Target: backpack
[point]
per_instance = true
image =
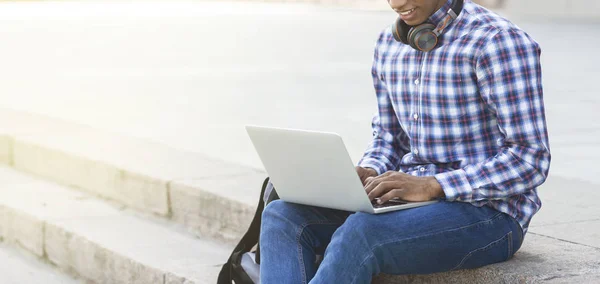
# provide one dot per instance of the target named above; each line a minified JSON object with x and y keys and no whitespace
{"x":243,"y":265}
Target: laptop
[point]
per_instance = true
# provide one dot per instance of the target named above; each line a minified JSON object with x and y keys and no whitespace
{"x":314,"y":168}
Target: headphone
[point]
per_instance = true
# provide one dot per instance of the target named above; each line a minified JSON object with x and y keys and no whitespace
{"x":424,"y":37}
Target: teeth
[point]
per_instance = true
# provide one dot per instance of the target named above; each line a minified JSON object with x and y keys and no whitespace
{"x":407,"y":12}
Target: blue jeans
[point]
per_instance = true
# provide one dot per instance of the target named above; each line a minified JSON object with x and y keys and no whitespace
{"x":356,"y":246}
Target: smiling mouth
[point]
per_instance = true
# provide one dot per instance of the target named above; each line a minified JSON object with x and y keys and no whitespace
{"x":407,"y":12}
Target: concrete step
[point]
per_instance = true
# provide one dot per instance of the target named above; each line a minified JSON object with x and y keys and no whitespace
{"x":100,"y":242}
{"x":541,"y":259}
{"x":107,"y":243}
{"x":189,"y":192}
{"x":18,"y":267}
{"x":209,"y":197}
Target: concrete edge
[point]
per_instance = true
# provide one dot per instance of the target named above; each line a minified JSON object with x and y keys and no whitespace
{"x":208,"y":214}
{"x":77,"y":255}
{"x":6,"y":149}
{"x":200,"y":210}
{"x":21,"y":237}
{"x":102,"y":179}
{"x":73,"y":254}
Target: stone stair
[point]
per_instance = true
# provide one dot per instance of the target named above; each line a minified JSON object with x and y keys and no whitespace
{"x":101,"y":242}
{"x":21,"y":267}
{"x":112,"y":209}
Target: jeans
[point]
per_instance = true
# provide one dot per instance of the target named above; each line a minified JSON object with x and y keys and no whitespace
{"x":357,"y":246}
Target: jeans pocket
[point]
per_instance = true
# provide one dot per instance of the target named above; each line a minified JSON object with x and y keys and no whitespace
{"x":497,"y":251}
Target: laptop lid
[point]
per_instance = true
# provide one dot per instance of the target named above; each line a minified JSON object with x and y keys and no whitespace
{"x":310,"y":167}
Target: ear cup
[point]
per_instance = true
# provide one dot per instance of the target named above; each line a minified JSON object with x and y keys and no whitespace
{"x":422,"y":37}
{"x":400,"y":30}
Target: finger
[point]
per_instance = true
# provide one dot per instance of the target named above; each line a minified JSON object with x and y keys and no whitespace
{"x":371,"y":182}
{"x":381,"y":189}
{"x":388,"y":173}
{"x":391,"y":194}
{"x":366,"y":181}
{"x":376,"y":179}
{"x":362,"y":174}
{"x":374,"y":182}
{"x":386,"y":176}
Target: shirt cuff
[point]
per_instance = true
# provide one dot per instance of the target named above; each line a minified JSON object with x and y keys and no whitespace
{"x":455,"y":185}
{"x":377,"y":165}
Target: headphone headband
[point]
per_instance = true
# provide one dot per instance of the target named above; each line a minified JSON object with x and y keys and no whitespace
{"x":451,"y":15}
{"x":457,"y":6}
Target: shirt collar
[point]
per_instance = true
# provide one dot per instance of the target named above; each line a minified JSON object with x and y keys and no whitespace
{"x":439,"y":15}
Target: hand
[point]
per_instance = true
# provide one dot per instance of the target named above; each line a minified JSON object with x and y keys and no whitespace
{"x":394,"y":184}
{"x":364,"y":173}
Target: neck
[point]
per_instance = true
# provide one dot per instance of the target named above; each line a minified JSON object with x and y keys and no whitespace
{"x":440,"y":5}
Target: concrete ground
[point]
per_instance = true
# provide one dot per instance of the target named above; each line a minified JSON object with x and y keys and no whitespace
{"x":190,"y":75}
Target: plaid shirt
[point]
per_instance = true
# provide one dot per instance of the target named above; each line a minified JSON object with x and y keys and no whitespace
{"x":470,"y":112}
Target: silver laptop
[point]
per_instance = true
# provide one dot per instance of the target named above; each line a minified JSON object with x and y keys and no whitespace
{"x":314,"y":168}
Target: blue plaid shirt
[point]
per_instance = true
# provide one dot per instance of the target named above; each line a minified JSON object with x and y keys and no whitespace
{"x":470,"y":112}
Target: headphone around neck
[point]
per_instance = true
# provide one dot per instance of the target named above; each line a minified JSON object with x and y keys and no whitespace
{"x":424,"y":37}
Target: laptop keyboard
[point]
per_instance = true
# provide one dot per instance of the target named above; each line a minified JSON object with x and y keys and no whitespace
{"x":392,"y":202}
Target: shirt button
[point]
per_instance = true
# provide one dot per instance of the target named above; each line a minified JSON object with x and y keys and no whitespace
{"x":417,"y":82}
{"x":422,"y":169}
{"x":416,"y":151}
{"x":416,"y":116}
{"x":499,"y":142}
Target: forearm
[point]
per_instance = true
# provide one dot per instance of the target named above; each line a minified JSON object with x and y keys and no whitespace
{"x":513,"y":171}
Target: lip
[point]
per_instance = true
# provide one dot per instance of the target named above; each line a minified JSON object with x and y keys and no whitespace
{"x":409,"y":16}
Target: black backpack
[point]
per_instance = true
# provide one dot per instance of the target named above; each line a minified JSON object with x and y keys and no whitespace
{"x":243,"y":263}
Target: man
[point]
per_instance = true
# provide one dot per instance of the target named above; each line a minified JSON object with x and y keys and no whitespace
{"x":463,"y":123}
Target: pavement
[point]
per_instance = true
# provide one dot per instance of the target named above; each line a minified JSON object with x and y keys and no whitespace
{"x":189,"y":75}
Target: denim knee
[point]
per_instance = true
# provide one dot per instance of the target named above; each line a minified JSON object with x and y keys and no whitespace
{"x":275,"y":210}
{"x":352,"y":245}
{"x":274,"y":206}
{"x":354,"y":236}
{"x":359,"y":226}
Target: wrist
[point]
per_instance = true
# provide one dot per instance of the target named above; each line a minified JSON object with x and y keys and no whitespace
{"x":371,"y":171}
{"x":435,"y":188}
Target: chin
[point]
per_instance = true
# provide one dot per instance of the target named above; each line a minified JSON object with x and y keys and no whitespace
{"x":415,"y":23}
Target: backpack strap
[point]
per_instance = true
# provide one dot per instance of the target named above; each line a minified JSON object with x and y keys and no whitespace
{"x":246,"y":243}
{"x":270,"y":195}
